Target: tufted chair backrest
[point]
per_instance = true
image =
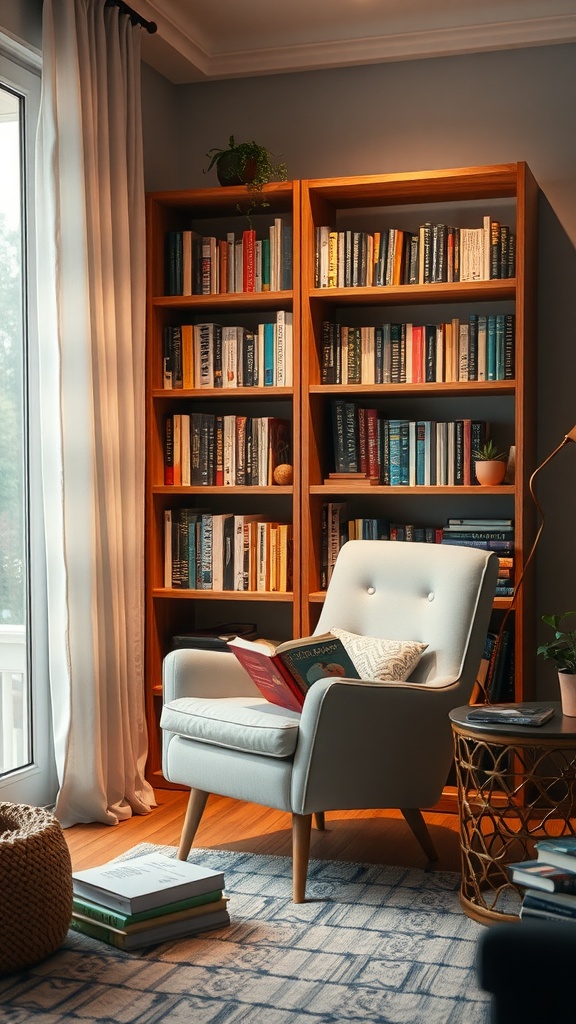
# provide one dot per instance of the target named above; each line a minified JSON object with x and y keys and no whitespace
{"x":412,"y":591}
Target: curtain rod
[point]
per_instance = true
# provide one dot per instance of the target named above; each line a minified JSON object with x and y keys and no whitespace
{"x":135,"y":18}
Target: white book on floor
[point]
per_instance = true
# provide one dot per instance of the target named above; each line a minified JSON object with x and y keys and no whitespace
{"x":142,"y":883}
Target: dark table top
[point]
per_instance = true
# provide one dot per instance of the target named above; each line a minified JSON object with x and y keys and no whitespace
{"x":558,"y":727}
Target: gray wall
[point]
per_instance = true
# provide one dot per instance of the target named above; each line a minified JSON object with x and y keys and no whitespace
{"x":23,"y":19}
{"x":445,"y":112}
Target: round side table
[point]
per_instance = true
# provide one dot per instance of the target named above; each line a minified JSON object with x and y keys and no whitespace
{"x":516,"y":784}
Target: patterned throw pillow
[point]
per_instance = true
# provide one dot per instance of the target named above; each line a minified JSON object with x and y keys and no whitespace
{"x":384,"y":660}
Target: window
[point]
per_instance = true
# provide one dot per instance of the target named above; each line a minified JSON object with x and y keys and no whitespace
{"x":26,"y":764}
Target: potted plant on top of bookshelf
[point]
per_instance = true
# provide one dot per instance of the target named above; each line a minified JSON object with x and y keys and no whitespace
{"x":562,"y":650}
{"x":246,"y":163}
{"x":489,"y":464}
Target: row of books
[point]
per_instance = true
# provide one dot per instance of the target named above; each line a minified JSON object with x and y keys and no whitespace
{"x":339,"y":526}
{"x":402,"y":452}
{"x":146,"y":899}
{"x":433,"y":254}
{"x":549,"y":880}
{"x":209,"y":355}
{"x":479,"y":348}
{"x":208,"y":449}
{"x":208,"y":551}
{"x":495,"y":679}
{"x":199,"y":264}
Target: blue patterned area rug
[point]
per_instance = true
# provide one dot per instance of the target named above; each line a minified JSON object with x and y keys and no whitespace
{"x":385,"y":945}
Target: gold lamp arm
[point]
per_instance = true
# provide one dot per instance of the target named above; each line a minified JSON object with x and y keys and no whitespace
{"x":570,"y":436}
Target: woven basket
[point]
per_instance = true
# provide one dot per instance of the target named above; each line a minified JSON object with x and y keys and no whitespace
{"x":36,"y":885}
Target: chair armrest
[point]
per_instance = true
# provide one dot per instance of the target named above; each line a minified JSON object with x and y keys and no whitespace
{"x":358,"y":738}
{"x":189,"y":672}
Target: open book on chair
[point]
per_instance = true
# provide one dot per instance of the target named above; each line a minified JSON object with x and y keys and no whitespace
{"x":285,"y":672}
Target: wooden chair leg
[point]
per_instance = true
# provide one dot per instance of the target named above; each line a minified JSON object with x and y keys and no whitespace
{"x":414,"y":819}
{"x":301,"y":827}
{"x":319,"y":821}
{"x":194,"y":812}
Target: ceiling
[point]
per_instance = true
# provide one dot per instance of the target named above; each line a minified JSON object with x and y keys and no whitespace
{"x":206,"y":40}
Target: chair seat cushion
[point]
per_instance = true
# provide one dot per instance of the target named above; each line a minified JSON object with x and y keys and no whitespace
{"x":247,"y":724}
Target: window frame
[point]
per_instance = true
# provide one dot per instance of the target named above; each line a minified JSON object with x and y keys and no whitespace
{"x":34,"y":783}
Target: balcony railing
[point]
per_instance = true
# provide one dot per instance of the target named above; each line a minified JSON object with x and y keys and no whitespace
{"x":14,"y":699}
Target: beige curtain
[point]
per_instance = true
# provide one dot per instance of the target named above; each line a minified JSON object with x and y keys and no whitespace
{"x":91,"y":274}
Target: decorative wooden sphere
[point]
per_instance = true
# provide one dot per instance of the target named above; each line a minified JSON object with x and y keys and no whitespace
{"x":283,"y":474}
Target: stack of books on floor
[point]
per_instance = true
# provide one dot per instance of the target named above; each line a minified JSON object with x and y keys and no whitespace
{"x":144,"y":900}
{"x":549,"y":881}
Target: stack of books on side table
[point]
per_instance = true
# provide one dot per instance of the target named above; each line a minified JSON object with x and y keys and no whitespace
{"x":147,"y":899}
{"x":549,"y":881}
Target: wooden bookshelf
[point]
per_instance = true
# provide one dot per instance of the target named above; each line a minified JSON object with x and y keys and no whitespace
{"x":171,"y":610}
{"x":507,"y":193}
{"x":460,"y":196}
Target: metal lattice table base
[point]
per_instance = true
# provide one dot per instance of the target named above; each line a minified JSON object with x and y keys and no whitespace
{"x":512,"y":791}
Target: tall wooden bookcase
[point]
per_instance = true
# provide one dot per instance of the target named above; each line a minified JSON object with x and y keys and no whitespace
{"x":461,"y":197}
{"x":214,"y":212}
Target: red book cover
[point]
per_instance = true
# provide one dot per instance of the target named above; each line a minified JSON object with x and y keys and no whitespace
{"x":372,"y":443}
{"x":272,"y":679}
{"x":219,"y":445}
{"x":362,"y":440}
{"x":417,"y":354}
{"x":169,"y":451}
{"x":249,"y":260}
{"x":284,"y":674}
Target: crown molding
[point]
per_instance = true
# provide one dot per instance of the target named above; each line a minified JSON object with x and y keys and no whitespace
{"x":182,"y":59}
{"x":23,"y":53}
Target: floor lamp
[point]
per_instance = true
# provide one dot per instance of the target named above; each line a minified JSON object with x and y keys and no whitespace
{"x":570,"y":436}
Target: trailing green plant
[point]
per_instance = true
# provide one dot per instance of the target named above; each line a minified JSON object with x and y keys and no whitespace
{"x":247,"y":163}
{"x":488,"y":452}
{"x":562,"y":649}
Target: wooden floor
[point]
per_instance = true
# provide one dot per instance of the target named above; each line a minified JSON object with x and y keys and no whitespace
{"x":374,"y":837}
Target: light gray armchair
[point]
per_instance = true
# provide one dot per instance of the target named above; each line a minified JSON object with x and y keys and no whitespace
{"x":357,"y":743}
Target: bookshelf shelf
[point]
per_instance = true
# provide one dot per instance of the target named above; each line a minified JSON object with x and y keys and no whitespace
{"x":223,"y":595}
{"x":367,"y":489}
{"x":458,"y":388}
{"x":221,"y":394}
{"x":244,"y":301}
{"x":207,"y":491}
{"x":414,"y":294}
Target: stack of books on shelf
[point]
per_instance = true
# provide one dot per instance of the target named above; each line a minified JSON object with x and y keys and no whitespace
{"x":225,"y":551}
{"x":147,"y":899}
{"x":549,"y":882}
{"x":492,"y":535}
{"x":478,"y":348}
{"x":209,"y":355}
{"x":339,"y":526}
{"x":199,"y":264}
{"x":430,"y":254}
{"x":403,"y":452}
{"x":210,"y":449}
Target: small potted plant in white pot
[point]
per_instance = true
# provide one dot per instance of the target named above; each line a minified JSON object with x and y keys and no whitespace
{"x":562,"y":650}
{"x":489,"y":464}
